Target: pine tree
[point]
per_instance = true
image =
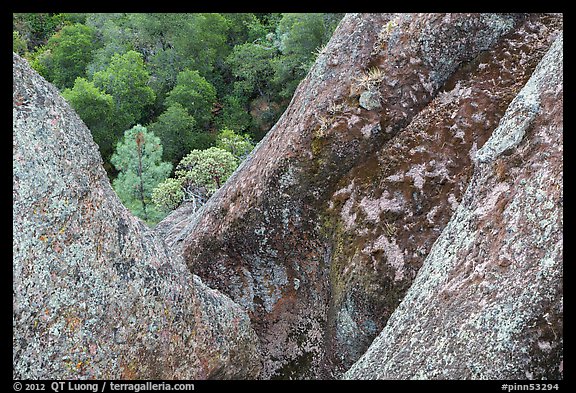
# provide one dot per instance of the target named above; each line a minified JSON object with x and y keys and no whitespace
{"x":138,"y":158}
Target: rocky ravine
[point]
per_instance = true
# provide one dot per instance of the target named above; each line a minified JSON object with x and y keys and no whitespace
{"x":375,"y":207}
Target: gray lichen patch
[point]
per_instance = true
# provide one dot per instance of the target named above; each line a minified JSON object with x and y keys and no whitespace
{"x":468,"y":35}
{"x":370,"y":100}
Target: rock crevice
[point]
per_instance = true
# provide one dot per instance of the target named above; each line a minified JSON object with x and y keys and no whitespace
{"x":489,"y":293}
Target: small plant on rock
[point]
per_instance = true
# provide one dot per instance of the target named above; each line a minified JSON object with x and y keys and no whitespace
{"x":370,"y":79}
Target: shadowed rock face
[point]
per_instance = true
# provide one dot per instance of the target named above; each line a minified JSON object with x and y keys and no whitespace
{"x":96,"y":293}
{"x":487,"y":302}
{"x":321,"y":231}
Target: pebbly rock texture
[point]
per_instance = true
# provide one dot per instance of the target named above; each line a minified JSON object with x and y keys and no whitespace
{"x":96,"y":294}
{"x":321,"y":231}
{"x":488,"y":301}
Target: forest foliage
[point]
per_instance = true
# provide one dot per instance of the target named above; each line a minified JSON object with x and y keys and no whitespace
{"x":193,"y":81}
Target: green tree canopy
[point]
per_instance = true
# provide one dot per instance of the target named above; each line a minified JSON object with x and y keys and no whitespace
{"x":168,"y":195}
{"x":251,"y":64}
{"x":201,"y":42}
{"x":114,"y":37}
{"x":71,"y":51}
{"x":175,"y":128}
{"x":197,"y":177}
{"x":156,"y":31}
{"x":207,"y":168}
{"x":96,"y":109}
{"x":18,"y":43}
{"x":233,"y":71}
{"x":194,"y":93}
{"x":234,"y":114}
{"x":126,"y":80}
{"x":138,"y":158}
{"x":299,"y":37}
{"x":36,"y":28}
{"x":239,"y":145}
{"x":245,"y":27}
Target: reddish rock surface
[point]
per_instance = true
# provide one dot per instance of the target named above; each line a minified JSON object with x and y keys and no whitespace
{"x":389,"y":210}
{"x":488,"y":301}
{"x":96,"y":293}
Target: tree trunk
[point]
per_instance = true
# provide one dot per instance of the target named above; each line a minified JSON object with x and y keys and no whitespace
{"x":139,"y":145}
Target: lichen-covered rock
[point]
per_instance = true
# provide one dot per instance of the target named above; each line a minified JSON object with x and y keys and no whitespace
{"x":96,"y":294}
{"x":316,"y":234}
{"x":388,"y":211}
{"x":488,"y":301}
